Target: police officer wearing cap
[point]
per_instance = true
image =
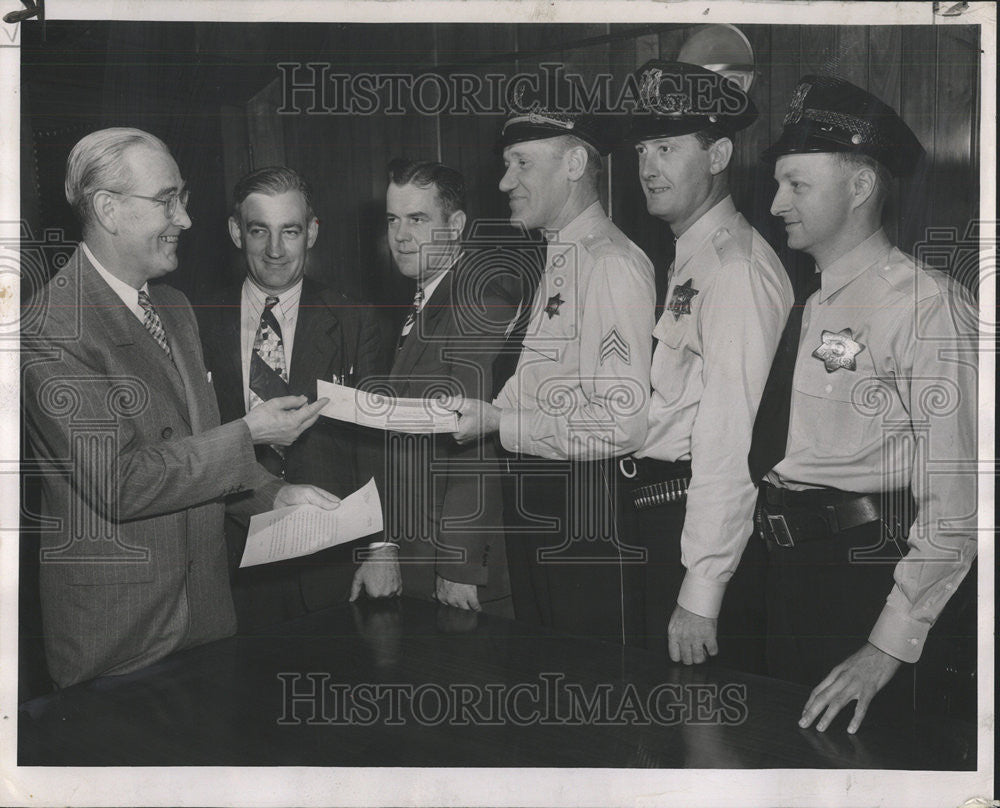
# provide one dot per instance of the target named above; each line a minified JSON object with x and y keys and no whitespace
{"x":727,"y":298}
{"x":579,"y":394}
{"x":872,"y":396}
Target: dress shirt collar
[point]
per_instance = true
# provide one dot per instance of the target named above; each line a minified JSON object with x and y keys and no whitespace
{"x":287,"y":300}
{"x":435,"y":282}
{"x":874,"y":249}
{"x":691,"y":240}
{"x":129,"y":294}
{"x":575,"y":230}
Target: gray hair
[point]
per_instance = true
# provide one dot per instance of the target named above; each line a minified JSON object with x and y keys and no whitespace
{"x":96,"y":163}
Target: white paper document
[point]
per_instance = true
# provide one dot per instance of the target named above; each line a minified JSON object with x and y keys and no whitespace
{"x":299,"y":530}
{"x":416,"y":415}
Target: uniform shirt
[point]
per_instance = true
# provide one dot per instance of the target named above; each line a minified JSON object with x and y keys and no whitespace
{"x":904,"y":415}
{"x":581,"y":388}
{"x":726,"y":305}
{"x":286,"y":312}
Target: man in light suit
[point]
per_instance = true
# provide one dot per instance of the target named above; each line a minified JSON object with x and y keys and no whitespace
{"x":443,"y":502}
{"x":326,"y":335}
{"x":121,"y":415}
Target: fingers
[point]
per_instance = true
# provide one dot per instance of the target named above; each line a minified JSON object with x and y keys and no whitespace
{"x":674,"y":649}
{"x":355,"y":587}
{"x":286,"y":402}
{"x":311,"y":495}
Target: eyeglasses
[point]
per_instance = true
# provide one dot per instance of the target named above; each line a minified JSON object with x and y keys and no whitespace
{"x":169,"y":203}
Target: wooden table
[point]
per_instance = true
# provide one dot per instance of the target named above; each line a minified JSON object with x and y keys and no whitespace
{"x":410,"y":683}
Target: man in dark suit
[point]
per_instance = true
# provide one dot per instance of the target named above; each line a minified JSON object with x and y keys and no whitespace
{"x":323,"y":335}
{"x":443,"y":504}
{"x":122,"y":418}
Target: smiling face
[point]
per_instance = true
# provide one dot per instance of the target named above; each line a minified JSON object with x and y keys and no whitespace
{"x":676,"y":177}
{"x":536,"y":182}
{"x":814,"y":201}
{"x":422,"y":239}
{"x":146,"y":240}
{"x":275,"y":234}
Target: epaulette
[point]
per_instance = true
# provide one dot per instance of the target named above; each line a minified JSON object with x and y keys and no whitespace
{"x":729,"y":245}
{"x":595,"y":243}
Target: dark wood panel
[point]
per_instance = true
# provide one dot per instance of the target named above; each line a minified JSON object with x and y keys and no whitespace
{"x":918,"y":106}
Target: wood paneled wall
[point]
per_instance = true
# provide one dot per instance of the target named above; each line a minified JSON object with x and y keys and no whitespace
{"x":930,"y":74}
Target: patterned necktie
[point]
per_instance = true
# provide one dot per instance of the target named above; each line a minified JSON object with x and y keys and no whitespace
{"x":411,"y":318}
{"x":153,"y":325}
{"x":268,"y":371}
{"x":770,"y":429}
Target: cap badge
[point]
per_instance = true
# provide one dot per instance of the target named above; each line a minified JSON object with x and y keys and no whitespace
{"x":795,"y":106}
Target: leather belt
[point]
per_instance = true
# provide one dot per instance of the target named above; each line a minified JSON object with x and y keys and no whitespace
{"x":786,"y":518}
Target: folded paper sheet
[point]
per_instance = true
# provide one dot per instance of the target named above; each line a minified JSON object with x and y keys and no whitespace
{"x":299,"y":530}
{"x":416,"y":415}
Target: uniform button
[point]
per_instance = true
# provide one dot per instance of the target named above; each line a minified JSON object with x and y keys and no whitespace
{"x":829,"y":388}
{"x":913,"y":640}
{"x":167,"y":432}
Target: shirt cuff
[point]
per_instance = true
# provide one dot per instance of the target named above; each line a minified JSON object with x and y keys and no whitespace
{"x":375,"y":545}
{"x":701,"y":596}
{"x":898,"y":635}
{"x":509,"y":437}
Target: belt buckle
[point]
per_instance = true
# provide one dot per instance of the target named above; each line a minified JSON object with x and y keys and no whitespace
{"x":779,"y":530}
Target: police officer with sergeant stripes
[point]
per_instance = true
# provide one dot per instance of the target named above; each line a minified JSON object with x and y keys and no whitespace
{"x":578,"y":397}
{"x":727,"y":299}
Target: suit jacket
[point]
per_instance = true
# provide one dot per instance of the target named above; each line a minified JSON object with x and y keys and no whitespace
{"x":335,"y":338}
{"x":134,"y":466}
{"x":444,"y":504}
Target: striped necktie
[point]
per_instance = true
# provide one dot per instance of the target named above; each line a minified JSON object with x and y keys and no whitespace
{"x":268,"y":370}
{"x":411,"y":318}
{"x":153,"y":325}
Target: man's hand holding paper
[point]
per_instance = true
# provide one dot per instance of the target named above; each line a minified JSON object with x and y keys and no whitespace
{"x":307,"y":519}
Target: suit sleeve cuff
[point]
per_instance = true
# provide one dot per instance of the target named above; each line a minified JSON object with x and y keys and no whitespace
{"x":701,"y":596}
{"x":898,"y":635}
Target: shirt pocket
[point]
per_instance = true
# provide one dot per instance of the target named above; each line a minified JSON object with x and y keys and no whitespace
{"x":834,"y":412}
{"x":674,"y":332}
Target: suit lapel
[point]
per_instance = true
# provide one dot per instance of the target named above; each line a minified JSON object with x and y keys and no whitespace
{"x":434,"y":316}
{"x":185,"y":352}
{"x":317,"y":348}
{"x":123,"y":330}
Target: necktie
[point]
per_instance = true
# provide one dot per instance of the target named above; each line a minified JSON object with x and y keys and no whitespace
{"x":411,"y":318}
{"x":153,"y":325}
{"x":770,"y":429}
{"x":268,"y":372}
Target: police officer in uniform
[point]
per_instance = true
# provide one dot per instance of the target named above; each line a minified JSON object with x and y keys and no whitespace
{"x":691,"y":499}
{"x":872,"y":396}
{"x":578,"y":397}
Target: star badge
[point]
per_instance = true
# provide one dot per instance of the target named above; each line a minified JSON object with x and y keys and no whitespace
{"x":552,"y":307}
{"x":680,"y":302}
{"x":838,"y":350}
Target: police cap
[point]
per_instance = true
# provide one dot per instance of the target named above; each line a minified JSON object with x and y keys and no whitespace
{"x":677,"y":98}
{"x":829,"y":114}
{"x":540,"y":124}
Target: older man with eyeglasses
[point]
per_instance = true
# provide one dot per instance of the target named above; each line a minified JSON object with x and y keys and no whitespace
{"x":136,"y":468}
